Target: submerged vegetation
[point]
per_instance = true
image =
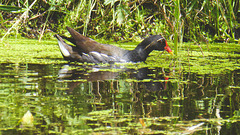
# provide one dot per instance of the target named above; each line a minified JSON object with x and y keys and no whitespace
{"x":179,"y":20}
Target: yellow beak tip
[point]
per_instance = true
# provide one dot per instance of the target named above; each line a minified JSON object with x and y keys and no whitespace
{"x":171,"y":53}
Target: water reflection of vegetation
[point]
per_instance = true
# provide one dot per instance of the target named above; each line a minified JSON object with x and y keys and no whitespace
{"x":119,"y":106}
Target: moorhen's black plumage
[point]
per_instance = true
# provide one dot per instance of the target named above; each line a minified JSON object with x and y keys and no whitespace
{"x":88,"y":50}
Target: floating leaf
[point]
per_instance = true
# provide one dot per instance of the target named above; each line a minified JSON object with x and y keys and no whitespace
{"x":27,"y":119}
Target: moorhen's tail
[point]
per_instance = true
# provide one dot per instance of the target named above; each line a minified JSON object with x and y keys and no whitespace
{"x":72,"y":53}
{"x":69,"y":52}
{"x":64,"y":47}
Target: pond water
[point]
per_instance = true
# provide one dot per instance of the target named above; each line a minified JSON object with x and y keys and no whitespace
{"x":43,"y":94}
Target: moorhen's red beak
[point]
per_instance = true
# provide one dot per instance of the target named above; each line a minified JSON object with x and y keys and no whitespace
{"x":168,"y":49}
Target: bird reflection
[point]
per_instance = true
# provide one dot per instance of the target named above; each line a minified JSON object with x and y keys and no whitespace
{"x":147,"y":79}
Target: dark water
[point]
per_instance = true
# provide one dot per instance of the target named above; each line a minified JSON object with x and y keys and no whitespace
{"x":85,"y":99}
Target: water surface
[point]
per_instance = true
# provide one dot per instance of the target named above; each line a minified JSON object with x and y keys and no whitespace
{"x":197,"y":93}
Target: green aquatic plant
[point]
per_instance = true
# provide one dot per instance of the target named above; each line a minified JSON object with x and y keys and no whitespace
{"x":177,"y":25}
{"x":30,"y":51}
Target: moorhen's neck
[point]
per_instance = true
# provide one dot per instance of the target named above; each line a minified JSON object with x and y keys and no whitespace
{"x":140,"y":53}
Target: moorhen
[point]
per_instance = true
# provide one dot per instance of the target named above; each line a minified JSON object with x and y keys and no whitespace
{"x":87,"y":50}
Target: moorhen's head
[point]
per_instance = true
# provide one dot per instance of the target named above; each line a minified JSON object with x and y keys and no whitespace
{"x":156,"y":42}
